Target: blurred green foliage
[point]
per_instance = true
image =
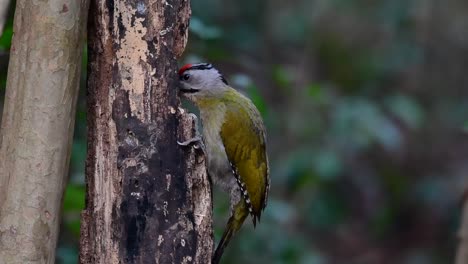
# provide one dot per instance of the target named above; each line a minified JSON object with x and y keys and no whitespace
{"x":5,"y":39}
{"x":366,"y":105}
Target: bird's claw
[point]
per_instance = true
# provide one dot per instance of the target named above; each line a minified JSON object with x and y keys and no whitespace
{"x":197,"y":142}
{"x":190,"y":141}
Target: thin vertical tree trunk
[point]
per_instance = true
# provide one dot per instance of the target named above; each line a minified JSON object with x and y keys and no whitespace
{"x":148,"y":199}
{"x":462,"y":253}
{"x":37,"y":126}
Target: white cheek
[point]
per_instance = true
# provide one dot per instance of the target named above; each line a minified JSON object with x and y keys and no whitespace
{"x":185,"y":85}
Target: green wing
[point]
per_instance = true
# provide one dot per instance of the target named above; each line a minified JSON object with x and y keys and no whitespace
{"x":243,"y":136}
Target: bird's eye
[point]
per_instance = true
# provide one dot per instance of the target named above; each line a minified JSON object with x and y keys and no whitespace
{"x":186,"y":76}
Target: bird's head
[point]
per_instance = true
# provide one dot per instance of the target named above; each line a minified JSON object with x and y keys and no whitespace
{"x":201,"y":80}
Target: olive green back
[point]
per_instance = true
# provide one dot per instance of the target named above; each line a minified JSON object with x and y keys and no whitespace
{"x":243,"y":135}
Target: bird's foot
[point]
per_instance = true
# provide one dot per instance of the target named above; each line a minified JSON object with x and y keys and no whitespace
{"x":196,"y":141}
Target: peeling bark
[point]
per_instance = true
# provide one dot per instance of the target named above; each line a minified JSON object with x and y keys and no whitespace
{"x":148,"y":199}
{"x":37,"y":126}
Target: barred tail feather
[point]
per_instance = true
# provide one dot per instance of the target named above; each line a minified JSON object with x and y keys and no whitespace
{"x":234,"y":224}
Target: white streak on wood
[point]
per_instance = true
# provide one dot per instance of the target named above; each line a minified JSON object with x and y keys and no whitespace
{"x":132,"y":56}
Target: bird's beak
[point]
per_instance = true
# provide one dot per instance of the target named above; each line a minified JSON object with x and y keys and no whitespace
{"x":183,"y":90}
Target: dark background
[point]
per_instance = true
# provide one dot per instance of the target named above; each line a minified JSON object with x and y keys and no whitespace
{"x":366,"y":105}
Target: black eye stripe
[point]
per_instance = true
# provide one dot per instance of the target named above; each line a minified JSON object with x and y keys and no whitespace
{"x":202,"y":66}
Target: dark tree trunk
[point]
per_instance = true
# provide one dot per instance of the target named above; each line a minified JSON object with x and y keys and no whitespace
{"x":148,"y":199}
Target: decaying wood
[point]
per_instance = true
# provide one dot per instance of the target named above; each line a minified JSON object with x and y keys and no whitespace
{"x":148,"y":199}
{"x":37,"y":126}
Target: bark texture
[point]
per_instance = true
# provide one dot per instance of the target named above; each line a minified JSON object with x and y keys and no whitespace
{"x":37,"y":126}
{"x":462,"y":253}
{"x":148,"y":199}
